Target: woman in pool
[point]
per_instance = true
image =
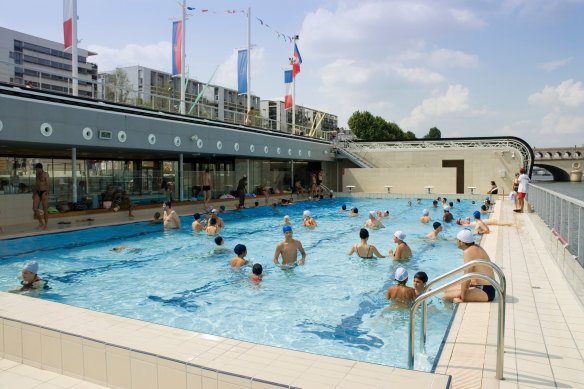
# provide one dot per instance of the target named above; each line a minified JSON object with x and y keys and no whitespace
{"x":363,"y":249}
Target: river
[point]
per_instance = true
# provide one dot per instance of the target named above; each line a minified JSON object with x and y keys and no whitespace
{"x":571,"y":189}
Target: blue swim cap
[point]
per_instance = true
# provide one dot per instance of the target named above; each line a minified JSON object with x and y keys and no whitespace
{"x":344,"y":207}
{"x":222,"y":207}
{"x":285,"y":229}
{"x":476,"y":214}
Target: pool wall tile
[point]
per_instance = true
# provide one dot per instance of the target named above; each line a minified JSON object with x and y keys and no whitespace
{"x":118,"y":367}
{"x":1,"y":337}
{"x":234,"y":379}
{"x":31,"y":346}
{"x":72,"y":356}
{"x":51,"y":351}
{"x":144,"y":374}
{"x":171,"y":374}
{"x":209,"y":383}
{"x":13,"y":341}
{"x":94,"y":362}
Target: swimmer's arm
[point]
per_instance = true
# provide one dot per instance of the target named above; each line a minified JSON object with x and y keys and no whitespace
{"x":391,"y":253}
{"x":377,"y":253}
{"x":387,"y":296}
{"x":301,"y":249}
{"x":277,"y":254}
{"x":381,"y":225}
{"x":313,"y":222}
{"x":352,"y":250}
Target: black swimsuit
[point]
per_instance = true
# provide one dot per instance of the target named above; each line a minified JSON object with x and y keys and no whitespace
{"x":488,"y":289}
{"x":368,"y":253}
{"x":40,"y":193}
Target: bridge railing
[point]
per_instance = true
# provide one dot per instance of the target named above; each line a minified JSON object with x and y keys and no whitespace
{"x":44,"y":80}
{"x":563,"y":215}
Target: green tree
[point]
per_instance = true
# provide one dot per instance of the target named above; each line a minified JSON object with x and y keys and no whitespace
{"x":117,"y":86}
{"x":368,"y":127}
{"x":433,"y":133}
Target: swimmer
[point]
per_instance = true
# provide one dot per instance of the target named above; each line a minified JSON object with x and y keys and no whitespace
{"x":420,"y":280}
{"x":118,"y":249}
{"x":219,"y":246}
{"x":458,"y":200}
{"x":198,"y":225}
{"x":402,"y":251}
{"x":291,"y":201}
{"x":354,"y":212}
{"x":447,"y":215}
{"x":451,"y":205}
{"x":256,"y":273}
{"x":372,"y":222}
{"x":222,"y":209}
{"x":419,"y":201}
{"x":30,"y":279}
{"x":239,"y":261}
{"x":286,"y":221}
{"x":485,"y":210}
{"x":157,"y":219}
{"x":437,"y":228}
{"x":363,"y":249}
{"x":308,"y":220}
{"x":434,"y":204}
{"x":256,"y":204}
{"x":212,"y":228}
{"x":463,"y":222}
{"x":343,"y":207}
{"x":386,"y":214}
{"x":289,"y":248}
{"x":170,"y":218}
{"x":480,"y":226}
{"x":400,"y":294}
{"x":274,"y":205}
{"x":220,"y":222}
{"x":409,"y":203}
{"x":425,"y":218}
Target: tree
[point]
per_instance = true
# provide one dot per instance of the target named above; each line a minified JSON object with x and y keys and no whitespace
{"x":368,"y":127}
{"x":433,"y":133}
{"x":117,"y":86}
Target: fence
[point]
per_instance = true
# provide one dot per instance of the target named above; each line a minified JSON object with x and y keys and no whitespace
{"x":563,"y":214}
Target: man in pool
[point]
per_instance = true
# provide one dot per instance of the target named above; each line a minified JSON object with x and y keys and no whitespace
{"x":447,"y":218}
{"x":354,"y":212}
{"x":437,"y":229}
{"x":171,"y":219}
{"x":288,"y":249}
{"x":480,"y":226}
{"x":198,"y":225}
{"x":308,"y":219}
{"x":40,"y":196}
{"x":435,"y":204}
{"x":220,"y":246}
{"x":400,"y":294}
{"x":157,"y":219}
{"x":425,"y":218}
{"x":239,"y":261}
{"x":343,"y":207}
{"x":402,"y":251}
{"x":474,"y":290}
{"x":372,"y":222}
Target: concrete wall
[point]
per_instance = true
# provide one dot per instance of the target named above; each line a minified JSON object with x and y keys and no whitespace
{"x":411,"y":169}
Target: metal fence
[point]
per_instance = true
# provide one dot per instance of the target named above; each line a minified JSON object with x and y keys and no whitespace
{"x":562,"y":213}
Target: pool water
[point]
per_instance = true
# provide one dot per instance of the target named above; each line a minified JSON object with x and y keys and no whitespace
{"x":333,"y":305}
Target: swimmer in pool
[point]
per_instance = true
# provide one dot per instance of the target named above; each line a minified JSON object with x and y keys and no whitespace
{"x":220,"y":222}
{"x":118,"y":249}
{"x":419,"y":201}
{"x":286,"y":221}
{"x":437,"y":229}
{"x":402,"y":251}
{"x":288,"y":249}
{"x":308,"y":220}
{"x":447,"y":215}
{"x":343,"y":207}
{"x":409,"y":203}
{"x":363,"y":249}
{"x":157,"y":219}
{"x":372,"y":222}
{"x":171,"y":219}
{"x":425,"y":218}
{"x":239,"y":261}
{"x":256,"y":273}
{"x":434,"y":204}
{"x":354,"y":212}
{"x":198,"y":225}
{"x":213,"y":228}
{"x":30,"y":279}
{"x":400,"y":294}
{"x":420,"y":280}
{"x":480,"y":226}
{"x":220,"y":246}
{"x":386,"y":214}
{"x":222,"y":209}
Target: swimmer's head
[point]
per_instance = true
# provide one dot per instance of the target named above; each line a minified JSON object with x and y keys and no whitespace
{"x":465,"y":236}
{"x":400,"y":235}
{"x":386,"y":213}
{"x":309,"y":198}
{"x":286,"y":217}
{"x":240,"y":249}
{"x":38,"y":166}
{"x":222,"y":207}
{"x":363,"y":234}
{"x":218,"y":240}
{"x":436,"y":225}
{"x":156,"y":215}
{"x":446,"y":208}
{"x":257,"y":269}
{"x":378,"y":213}
{"x":197,"y":216}
{"x":215,"y":211}
{"x":256,"y":203}
{"x":483,"y":207}
{"x":355,"y":210}
{"x":168,"y":204}
{"x":306,"y":213}
{"x":435,"y":202}
{"x":213,"y":221}
{"x":425,"y":212}
{"x":451,"y":204}
{"x":401,"y":274}
{"x":372,"y":214}
{"x":286,"y":229}
{"x":31,"y":266}
{"x":476,"y":214}
{"x":472,"y":202}
{"x":422,"y":276}
{"x":344,"y":207}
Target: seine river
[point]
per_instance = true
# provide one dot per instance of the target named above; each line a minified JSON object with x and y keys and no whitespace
{"x":571,"y":189}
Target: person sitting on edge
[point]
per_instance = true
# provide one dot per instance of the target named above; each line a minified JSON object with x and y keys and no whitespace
{"x":256,"y":273}
{"x":354,"y":212}
{"x":485,"y":210}
{"x":437,"y":229}
{"x":220,"y":222}
{"x":127,"y":204}
{"x":400,"y":294}
{"x":289,"y":248}
{"x":30,"y":279}
{"x":447,"y":215}
{"x":402,"y":251}
{"x":239,"y":261}
{"x":494,"y":188}
{"x":474,"y":290}
{"x":171,"y":219}
{"x":372,"y":222}
{"x":343,"y":207}
{"x":425,"y":218}
{"x":420,"y":280}
{"x":480,"y":226}
{"x":308,"y":220}
{"x":363,"y":249}
{"x":286,"y":221}
{"x":157,"y":219}
{"x":198,"y":225}
{"x":212,"y":228}
{"x":435,"y":204}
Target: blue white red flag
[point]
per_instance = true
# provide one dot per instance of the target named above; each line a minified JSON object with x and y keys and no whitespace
{"x":296,"y":61}
{"x":288,"y":81}
{"x":176,"y":48}
{"x":68,"y":23}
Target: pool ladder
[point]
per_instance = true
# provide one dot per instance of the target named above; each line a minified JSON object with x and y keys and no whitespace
{"x":500,"y":286}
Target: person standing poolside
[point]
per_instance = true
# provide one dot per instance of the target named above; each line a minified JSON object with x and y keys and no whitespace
{"x":425,"y":218}
{"x":197,"y":224}
{"x":513,"y":194}
{"x":400,"y":294}
{"x":522,"y":190}
{"x":319,"y":181}
{"x":474,"y":290}
{"x":420,"y":280}
{"x":372,"y":222}
{"x":40,"y":195}
{"x":437,"y":228}
{"x":206,"y":184}
{"x":402,"y":251}
{"x":363,"y":249}
{"x":241,"y":191}
{"x":308,"y":220}
{"x":170,"y":218}
{"x":480,"y":226}
{"x":249,"y":116}
{"x":288,"y":249}
{"x":239,"y":261}
{"x":266,"y":189}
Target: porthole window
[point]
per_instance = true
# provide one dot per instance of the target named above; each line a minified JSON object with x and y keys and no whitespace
{"x":236,"y":146}
{"x":87,"y":133}
{"x":1,"y":125}
{"x":289,"y":151}
{"x":279,"y":150}
{"x":200,"y":143}
{"x":252,"y":148}
{"x":266,"y":149}
{"x":46,"y":129}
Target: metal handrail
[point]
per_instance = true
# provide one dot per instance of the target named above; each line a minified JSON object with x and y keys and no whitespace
{"x":497,"y":269}
{"x":500,"y":327}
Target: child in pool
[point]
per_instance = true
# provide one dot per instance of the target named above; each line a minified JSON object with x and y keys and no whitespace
{"x":256,"y":273}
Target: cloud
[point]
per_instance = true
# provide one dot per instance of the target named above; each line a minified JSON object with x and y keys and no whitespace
{"x":553,"y":65}
{"x":568,"y":93}
{"x":417,"y":75}
{"x":455,"y":100}
{"x":156,"y":56}
{"x":444,"y":58}
{"x":558,"y":123}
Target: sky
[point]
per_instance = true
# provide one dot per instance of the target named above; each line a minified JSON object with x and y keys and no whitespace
{"x":470,"y":68}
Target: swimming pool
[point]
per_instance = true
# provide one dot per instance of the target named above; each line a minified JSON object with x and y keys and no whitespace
{"x":334,"y":305}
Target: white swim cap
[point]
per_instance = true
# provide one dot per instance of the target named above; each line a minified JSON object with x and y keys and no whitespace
{"x":31,"y":266}
{"x":214,"y":210}
{"x":425,"y":212}
{"x":286,"y":217}
{"x":306,"y":213}
{"x":372,"y":213}
{"x":309,"y":198}
{"x":446,"y":208}
{"x":401,"y":274}
{"x":400,"y":235}
{"x":465,"y":236}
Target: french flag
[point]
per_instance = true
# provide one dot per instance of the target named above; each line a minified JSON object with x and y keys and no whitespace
{"x":288,"y":81}
{"x":176,"y":48}
{"x":68,"y":23}
{"x":296,"y":61}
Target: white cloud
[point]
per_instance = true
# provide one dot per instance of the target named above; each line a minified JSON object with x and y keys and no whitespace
{"x":558,"y":123}
{"x":568,"y":93}
{"x":455,"y":100}
{"x":444,"y":58}
{"x":467,"y":18}
{"x":418,"y":75}
{"x":156,"y":56}
{"x":553,"y":65}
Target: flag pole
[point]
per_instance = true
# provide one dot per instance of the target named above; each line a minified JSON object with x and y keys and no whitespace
{"x":74,"y":55}
{"x":293,"y":89}
{"x":248,"y":58}
{"x":182,"y":59}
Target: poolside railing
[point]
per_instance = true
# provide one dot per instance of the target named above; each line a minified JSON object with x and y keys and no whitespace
{"x":562,"y":214}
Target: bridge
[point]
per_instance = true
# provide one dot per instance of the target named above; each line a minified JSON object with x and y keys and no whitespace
{"x":564,"y":163}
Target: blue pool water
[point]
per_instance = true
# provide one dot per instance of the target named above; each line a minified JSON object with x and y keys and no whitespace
{"x":334,"y":305}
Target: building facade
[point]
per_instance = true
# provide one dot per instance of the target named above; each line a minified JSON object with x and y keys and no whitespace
{"x":43,"y":64}
{"x":307,"y":119}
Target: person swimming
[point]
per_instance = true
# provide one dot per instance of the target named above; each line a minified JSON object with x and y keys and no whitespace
{"x":363,"y":249}
{"x":308,"y":220}
{"x":239,"y":261}
{"x":286,"y":221}
{"x":30,"y":279}
{"x":257,"y":273}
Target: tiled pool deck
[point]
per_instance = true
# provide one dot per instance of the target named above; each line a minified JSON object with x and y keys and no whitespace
{"x":50,"y":345}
